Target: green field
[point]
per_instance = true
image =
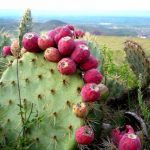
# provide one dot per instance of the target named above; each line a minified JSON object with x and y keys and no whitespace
{"x":117,"y":42}
{"x":116,"y":45}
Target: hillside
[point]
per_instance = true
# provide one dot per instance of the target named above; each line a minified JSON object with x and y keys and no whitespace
{"x":38,"y":27}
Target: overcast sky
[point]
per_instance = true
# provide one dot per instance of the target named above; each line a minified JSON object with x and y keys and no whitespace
{"x":78,"y":6}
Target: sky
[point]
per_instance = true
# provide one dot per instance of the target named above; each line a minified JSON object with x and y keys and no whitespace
{"x":79,"y":6}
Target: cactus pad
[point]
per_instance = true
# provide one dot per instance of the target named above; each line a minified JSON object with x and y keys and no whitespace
{"x":52,"y":124}
{"x":139,"y":62}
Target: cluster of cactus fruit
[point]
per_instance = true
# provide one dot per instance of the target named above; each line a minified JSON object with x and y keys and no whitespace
{"x":64,"y":80}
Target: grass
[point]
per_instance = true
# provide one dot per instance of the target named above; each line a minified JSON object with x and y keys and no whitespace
{"x":116,"y":42}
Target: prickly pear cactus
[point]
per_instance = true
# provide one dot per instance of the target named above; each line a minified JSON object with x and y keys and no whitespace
{"x":47,"y":98}
{"x":139,"y":62}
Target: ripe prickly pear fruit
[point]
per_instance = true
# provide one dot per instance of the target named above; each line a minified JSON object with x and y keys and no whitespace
{"x":51,"y":34}
{"x":79,"y":33}
{"x":90,"y":63}
{"x":57,"y":38}
{"x":80,"y":54}
{"x":130,"y":141}
{"x":52,"y":54}
{"x":84,"y":135}
{"x":92,"y":76}
{"x":117,"y":134}
{"x":71,"y":27}
{"x":6,"y":51}
{"x":80,"y":109}
{"x":66,"y":46}
{"x":30,"y":42}
{"x":66,"y":66}
{"x":62,"y":32}
{"x":90,"y":92}
{"x":57,"y":29}
{"x":45,"y":42}
{"x":79,"y":41}
{"x":65,"y":31}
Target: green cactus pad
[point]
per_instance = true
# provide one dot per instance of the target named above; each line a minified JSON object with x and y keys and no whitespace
{"x":139,"y":62}
{"x":47,"y":97}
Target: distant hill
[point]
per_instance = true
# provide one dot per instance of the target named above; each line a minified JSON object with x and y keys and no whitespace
{"x":38,"y":27}
{"x":11,"y":25}
{"x":96,"y":25}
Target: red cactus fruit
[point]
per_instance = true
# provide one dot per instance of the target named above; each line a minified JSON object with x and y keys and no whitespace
{"x":79,"y":41}
{"x":51,"y":34}
{"x":52,"y":54}
{"x":62,"y":32}
{"x":71,"y":27}
{"x":90,"y":92}
{"x":57,"y":38}
{"x":79,"y":33}
{"x":90,"y":63}
{"x":116,"y":136}
{"x":117,"y":133}
{"x":92,"y":76}
{"x":66,"y":46}
{"x":57,"y":29}
{"x":80,"y":54}
{"x":80,"y":109}
{"x":65,"y":31}
{"x":129,"y":129}
{"x":45,"y":42}
{"x":6,"y":51}
{"x":84,"y":135}
{"x":30,"y":42}
{"x":66,"y":66}
{"x":130,"y":141}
